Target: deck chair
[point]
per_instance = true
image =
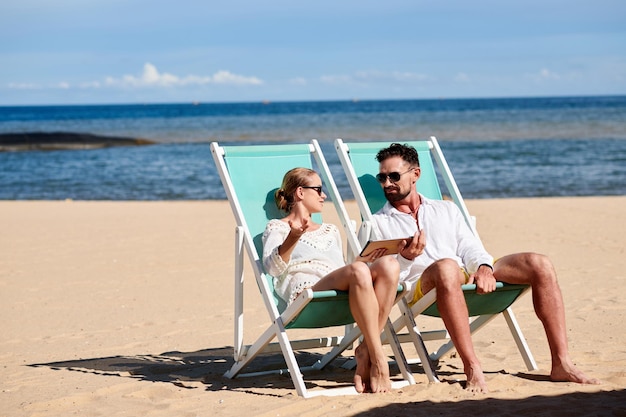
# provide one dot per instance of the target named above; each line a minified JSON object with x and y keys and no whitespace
{"x":250,"y":175}
{"x":359,"y":163}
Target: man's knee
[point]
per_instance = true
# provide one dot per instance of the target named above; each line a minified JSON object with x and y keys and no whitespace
{"x":444,"y":272}
{"x":444,"y":266}
{"x":537,"y":263}
{"x":525,"y":268}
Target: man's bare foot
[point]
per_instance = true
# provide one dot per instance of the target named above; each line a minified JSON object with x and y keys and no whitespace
{"x":362,"y":374}
{"x":569,"y":373}
{"x":379,"y":375}
{"x":476,"y":380}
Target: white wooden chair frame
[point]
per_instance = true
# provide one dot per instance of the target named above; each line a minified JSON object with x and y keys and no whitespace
{"x":244,"y":354}
{"x":408,"y":314}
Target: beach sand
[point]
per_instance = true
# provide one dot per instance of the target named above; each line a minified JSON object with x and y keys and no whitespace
{"x":126,"y":309}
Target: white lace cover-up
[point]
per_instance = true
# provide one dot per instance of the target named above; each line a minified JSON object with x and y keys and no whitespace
{"x":316,"y":254}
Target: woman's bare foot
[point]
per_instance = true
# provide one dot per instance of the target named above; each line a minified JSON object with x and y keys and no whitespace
{"x":379,"y":375}
{"x":475,"y":380}
{"x":362,"y":374}
{"x":569,"y":373}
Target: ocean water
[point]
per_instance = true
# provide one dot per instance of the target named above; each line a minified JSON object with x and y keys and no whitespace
{"x":496,"y":148}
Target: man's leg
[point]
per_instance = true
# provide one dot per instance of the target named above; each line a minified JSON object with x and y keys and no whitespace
{"x":537,"y":271}
{"x":446,"y":276}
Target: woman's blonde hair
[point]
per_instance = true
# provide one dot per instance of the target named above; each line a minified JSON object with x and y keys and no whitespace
{"x":294,"y":178}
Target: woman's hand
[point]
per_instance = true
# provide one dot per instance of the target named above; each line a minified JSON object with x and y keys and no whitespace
{"x":298,"y":229}
{"x":372,"y":256}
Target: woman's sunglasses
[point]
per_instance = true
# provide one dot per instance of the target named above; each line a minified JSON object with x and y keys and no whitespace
{"x":393,"y":176}
{"x":317,"y":188}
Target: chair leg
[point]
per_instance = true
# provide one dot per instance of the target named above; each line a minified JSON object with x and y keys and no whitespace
{"x":239,"y":279}
{"x":290,"y":358}
{"x":398,"y":353}
{"x":418,"y":342}
{"x":346,"y":342}
{"x":247,"y":355}
{"x":524,"y":350}
{"x":475,"y":325}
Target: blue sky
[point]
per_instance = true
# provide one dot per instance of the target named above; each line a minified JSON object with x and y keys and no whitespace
{"x":140,"y":51}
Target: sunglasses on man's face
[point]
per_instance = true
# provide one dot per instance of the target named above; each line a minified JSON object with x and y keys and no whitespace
{"x":393,"y":176}
{"x":317,"y":188}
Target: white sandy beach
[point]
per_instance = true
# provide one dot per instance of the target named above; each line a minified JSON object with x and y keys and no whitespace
{"x":126,"y":309}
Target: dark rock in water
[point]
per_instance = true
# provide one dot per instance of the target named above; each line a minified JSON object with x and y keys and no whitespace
{"x":63,"y":140}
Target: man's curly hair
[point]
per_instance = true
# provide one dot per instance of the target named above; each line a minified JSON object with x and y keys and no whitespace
{"x":406,"y":152}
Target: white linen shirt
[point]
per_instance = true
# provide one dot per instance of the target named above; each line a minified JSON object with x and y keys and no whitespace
{"x":447,"y":236}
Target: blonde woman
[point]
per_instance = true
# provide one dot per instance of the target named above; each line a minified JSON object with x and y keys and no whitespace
{"x":302,"y":254}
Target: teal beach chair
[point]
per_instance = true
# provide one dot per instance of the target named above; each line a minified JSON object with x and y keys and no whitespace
{"x":250,"y":175}
{"x":359,"y":163}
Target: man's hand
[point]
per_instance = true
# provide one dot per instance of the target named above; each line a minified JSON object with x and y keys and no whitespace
{"x":411,"y":249}
{"x":484,"y":280}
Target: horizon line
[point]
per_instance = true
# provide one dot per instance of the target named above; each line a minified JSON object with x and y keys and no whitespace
{"x":348,"y":100}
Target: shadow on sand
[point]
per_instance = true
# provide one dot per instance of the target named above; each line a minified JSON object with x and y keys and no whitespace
{"x":604,"y":403}
{"x":187,"y":369}
{"x":206,"y":368}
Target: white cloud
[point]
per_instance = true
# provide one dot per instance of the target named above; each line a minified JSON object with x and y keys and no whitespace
{"x":151,"y":77}
{"x":404,"y":77}
{"x":63,"y":85}
{"x":408,"y":77}
{"x":461,"y":77}
{"x":544,"y":74}
{"x":396,"y":76}
{"x":548,"y":75}
{"x":225,"y":77}
{"x":336,"y":79}
{"x":23,"y":86}
{"x":298,"y":81}
{"x":90,"y":84}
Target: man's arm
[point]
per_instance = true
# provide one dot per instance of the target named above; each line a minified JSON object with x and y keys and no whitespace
{"x":469,"y":247}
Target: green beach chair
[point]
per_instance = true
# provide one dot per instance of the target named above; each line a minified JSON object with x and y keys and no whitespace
{"x":359,"y":163}
{"x":250,"y":175}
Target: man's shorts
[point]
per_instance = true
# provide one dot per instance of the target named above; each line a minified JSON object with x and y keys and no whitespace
{"x":417,"y":294}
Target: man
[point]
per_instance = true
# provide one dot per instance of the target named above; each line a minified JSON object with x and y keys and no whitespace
{"x":444,"y":254}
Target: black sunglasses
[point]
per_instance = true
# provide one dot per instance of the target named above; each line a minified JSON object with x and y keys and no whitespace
{"x":317,"y":188}
{"x":393,"y":176}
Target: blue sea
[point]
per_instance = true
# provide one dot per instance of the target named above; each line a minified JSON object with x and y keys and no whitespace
{"x":496,"y":148}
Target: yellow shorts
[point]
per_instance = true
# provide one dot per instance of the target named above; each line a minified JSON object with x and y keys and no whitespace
{"x":417,"y":294}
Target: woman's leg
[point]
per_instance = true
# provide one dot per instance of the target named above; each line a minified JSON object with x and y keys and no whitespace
{"x":385,"y":273}
{"x":357,"y":279}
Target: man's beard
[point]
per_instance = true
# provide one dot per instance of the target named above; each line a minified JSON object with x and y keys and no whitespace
{"x":396,"y":196}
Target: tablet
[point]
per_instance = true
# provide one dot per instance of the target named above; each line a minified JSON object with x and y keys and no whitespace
{"x":390,"y":244}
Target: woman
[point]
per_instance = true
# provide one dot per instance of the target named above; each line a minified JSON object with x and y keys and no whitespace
{"x":302,"y":254}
